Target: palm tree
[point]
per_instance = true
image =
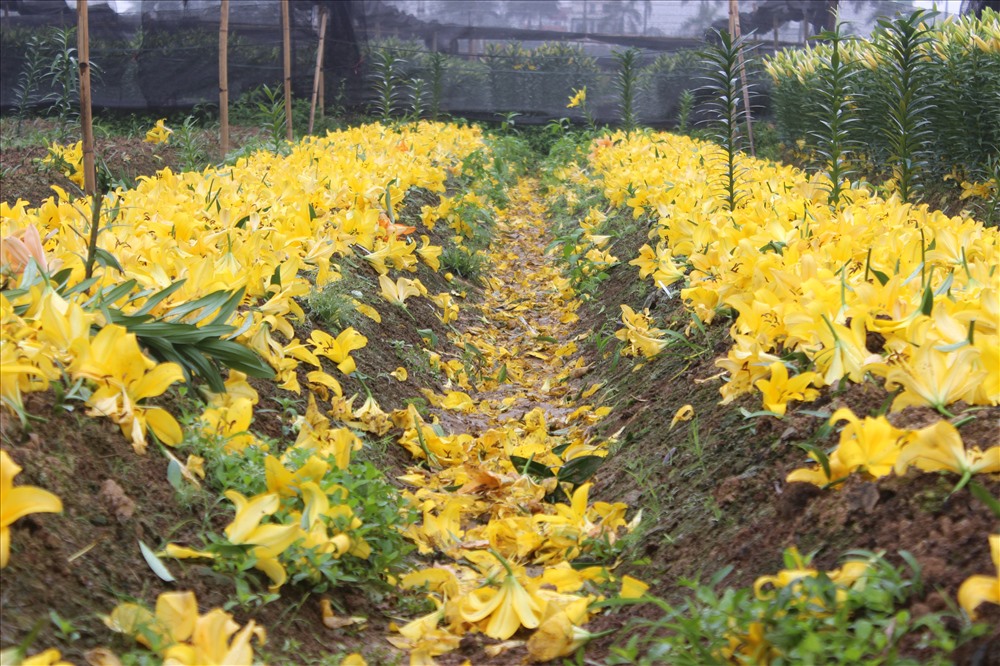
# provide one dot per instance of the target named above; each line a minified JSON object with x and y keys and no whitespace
{"x":621,"y":15}
{"x":708,"y":12}
{"x":977,"y":6}
{"x":647,"y":11}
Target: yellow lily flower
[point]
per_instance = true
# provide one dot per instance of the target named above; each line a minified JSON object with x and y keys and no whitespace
{"x":766,"y":587}
{"x":125,"y":376}
{"x":556,"y":637}
{"x":230,"y":421}
{"x":939,"y":447}
{"x":19,"y":502}
{"x":976,"y":590}
{"x":368,"y":311}
{"x":435,"y":579}
{"x":430,"y":253}
{"x":779,"y":389}
{"x":396,"y":252}
{"x":685,"y":413}
{"x":642,"y":338}
{"x":50,"y":657}
{"x":632,"y":588}
{"x":658,"y":264}
{"x":508,"y":608}
{"x":269,"y":541}
{"x":425,"y":639}
{"x":869,"y":445}
{"x":459,"y":402}
{"x":173,"y":622}
{"x":449,"y":309}
{"x":935,"y":378}
{"x":339,"y":349}
{"x":579,"y":97}
{"x":817,"y":476}
{"x":397,"y":292}
{"x":213,"y":643}
{"x":160,"y":133}
{"x":286,"y":483}
{"x":71,"y":157}
{"x":322,"y":383}
{"x":844,"y":353}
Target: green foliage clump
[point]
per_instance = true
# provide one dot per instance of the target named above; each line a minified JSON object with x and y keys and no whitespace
{"x":728,"y":111}
{"x":812,"y":620}
{"x":929,"y":94}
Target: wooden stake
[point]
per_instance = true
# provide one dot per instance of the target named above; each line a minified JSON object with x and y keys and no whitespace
{"x":287,"y":48}
{"x":86,"y":114}
{"x":734,"y":31}
{"x":224,"y":79}
{"x":322,"y":93}
{"x":319,"y":68}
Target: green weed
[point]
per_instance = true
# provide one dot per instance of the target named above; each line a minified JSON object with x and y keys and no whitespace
{"x":815,"y":620}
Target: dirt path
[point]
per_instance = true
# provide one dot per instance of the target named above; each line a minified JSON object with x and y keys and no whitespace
{"x":483,"y":520}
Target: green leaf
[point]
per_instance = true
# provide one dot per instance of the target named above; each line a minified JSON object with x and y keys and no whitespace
{"x":986,"y":497}
{"x":174,"y":476}
{"x":578,"y":470}
{"x":109,"y":296}
{"x":927,"y":302}
{"x":155,"y":563}
{"x":531,"y":467}
{"x":159,"y":296}
{"x":207,"y":304}
{"x":106,"y":259}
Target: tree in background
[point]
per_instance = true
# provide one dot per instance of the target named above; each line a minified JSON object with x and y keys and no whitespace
{"x":977,"y":6}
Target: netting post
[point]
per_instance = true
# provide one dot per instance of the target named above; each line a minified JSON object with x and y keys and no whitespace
{"x":322,"y":93}
{"x":287,"y":49}
{"x":86,"y":114}
{"x":319,"y":68}
{"x":224,"y":79}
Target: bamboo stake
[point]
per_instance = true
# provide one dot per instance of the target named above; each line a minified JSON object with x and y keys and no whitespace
{"x":319,"y":68}
{"x":224,"y":79}
{"x":322,"y":94}
{"x":287,"y":49}
{"x":86,"y":114}
{"x":734,"y":30}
